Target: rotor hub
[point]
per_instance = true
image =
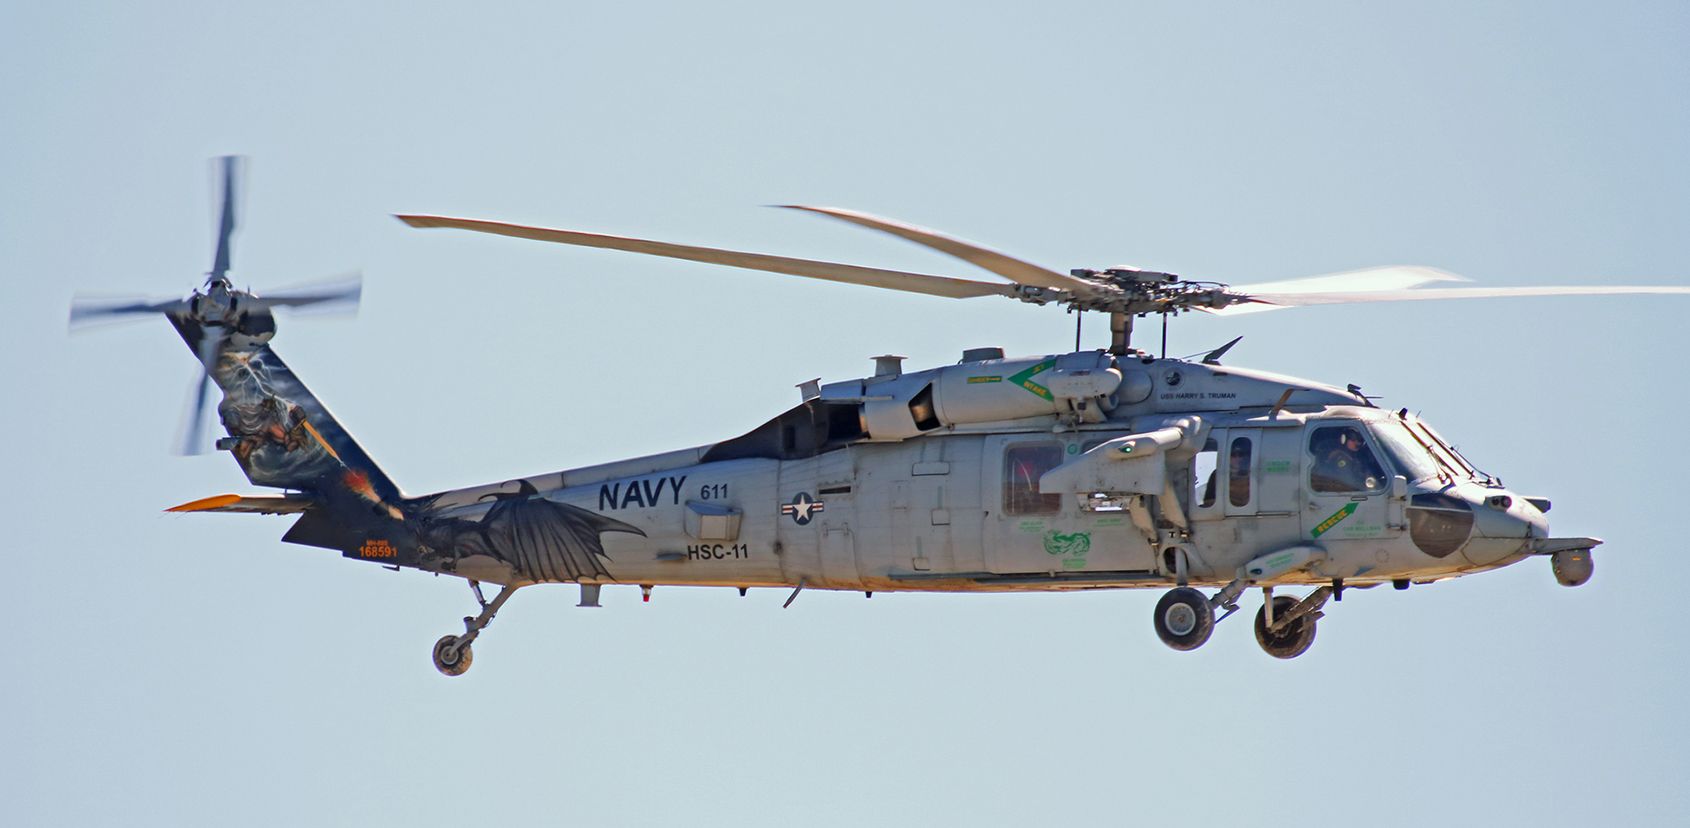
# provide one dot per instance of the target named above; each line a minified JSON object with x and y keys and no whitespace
{"x":1138,"y":292}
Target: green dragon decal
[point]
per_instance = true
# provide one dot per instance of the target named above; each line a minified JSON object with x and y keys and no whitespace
{"x":1071,"y":547}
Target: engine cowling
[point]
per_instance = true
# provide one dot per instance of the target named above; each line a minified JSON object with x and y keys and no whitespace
{"x":1078,"y":387}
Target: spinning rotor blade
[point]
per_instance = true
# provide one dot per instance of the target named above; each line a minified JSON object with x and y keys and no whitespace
{"x":229,"y":166}
{"x":1277,"y":301}
{"x":1400,"y":277}
{"x":1009,"y":267}
{"x":210,"y":350}
{"x":332,"y":296}
{"x":85,"y":312}
{"x":829,"y":271}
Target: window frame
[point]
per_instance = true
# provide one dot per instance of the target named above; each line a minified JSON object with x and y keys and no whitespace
{"x":1250,"y":453}
{"x":1315,"y":460}
{"x":1050,"y":504}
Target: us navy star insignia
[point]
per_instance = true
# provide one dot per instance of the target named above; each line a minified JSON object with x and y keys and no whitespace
{"x":802,"y":508}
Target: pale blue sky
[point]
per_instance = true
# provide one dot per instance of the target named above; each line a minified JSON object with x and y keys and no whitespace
{"x":171,"y":670}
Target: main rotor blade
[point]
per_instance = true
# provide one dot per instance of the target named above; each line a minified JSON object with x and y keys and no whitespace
{"x":1400,"y":277}
{"x":830,"y":271}
{"x":1009,"y":267}
{"x":229,"y":166}
{"x":210,"y":350}
{"x":1277,"y":301}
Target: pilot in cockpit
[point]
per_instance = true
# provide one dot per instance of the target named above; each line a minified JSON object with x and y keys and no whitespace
{"x":1348,"y":466}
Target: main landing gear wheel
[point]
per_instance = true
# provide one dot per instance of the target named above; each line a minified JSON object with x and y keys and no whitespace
{"x":1289,"y":641}
{"x":451,"y":657}
{"x":1184,"y":619}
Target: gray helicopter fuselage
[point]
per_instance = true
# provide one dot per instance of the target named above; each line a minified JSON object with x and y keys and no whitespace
{"x":1021,"y":474}
{"x":1084,"y":470}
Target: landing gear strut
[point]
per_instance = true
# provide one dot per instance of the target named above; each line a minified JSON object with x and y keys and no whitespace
{"x":1285,"y":626}
{"x":452,"y":653}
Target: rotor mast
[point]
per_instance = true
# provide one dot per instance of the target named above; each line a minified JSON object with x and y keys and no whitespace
{"x":1120,"y":333}
{"x":1125,"y":292}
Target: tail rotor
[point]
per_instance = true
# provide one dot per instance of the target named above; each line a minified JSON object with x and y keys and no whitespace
{"x":218,"y":314}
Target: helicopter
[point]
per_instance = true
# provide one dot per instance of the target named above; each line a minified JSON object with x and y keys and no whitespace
{"x":1082,"y":470}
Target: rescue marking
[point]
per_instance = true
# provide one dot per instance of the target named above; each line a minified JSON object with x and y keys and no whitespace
{"x":1336,"y":518}
{"x":978,"y":380}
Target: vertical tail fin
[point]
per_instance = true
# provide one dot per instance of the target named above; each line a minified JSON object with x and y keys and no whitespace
{"x":279,"y":432}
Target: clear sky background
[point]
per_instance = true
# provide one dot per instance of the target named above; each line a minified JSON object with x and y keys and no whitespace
{"x":193,"y":670}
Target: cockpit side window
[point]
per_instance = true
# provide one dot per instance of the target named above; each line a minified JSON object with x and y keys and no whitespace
{"x":1023,"y":466}
{"x":1343,"y":461}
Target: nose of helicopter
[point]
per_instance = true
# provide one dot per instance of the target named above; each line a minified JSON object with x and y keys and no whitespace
{"x":1504,"y":524}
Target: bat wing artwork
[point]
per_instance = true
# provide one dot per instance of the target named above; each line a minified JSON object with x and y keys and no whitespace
{"x":541,"y":540}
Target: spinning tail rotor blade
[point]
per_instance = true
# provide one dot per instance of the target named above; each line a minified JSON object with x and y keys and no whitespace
{"x":193,"y":432}
{"x":229,"y":168}
{"x":86,"y":312}
{"x":1009,"y":267}
{"x":1276,"y":301}
{"x":830,"y":271}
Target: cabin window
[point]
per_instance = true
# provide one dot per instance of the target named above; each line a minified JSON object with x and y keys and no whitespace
{"x":1343,"y":461}
{"x":1205,"y":471}
{"x":1238,"y":472}
{"x":1023,"y":466}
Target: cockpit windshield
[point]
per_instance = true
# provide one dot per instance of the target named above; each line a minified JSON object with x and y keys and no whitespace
{"x":1408,"y":454}
{"x":1444,"y":451}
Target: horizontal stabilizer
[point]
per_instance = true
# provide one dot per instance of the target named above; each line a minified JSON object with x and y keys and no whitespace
{"x":247,"y":504}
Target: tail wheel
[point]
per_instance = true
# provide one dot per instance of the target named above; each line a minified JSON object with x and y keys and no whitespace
{"x":450,"y":657}
{"x":1289,"y":641}
{"x":1184,"y":618}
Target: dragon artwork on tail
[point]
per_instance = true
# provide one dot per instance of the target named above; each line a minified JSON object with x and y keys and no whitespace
{"x":282,"y":436}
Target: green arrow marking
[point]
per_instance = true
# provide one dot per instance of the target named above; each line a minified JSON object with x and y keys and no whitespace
{"x":1025,"y":379}
{"x":1336,"y":518}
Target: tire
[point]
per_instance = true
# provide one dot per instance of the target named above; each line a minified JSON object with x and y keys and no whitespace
{"x":1290,"y":642}
{"x":450,"y":658}
{"x":1184,"y":618}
